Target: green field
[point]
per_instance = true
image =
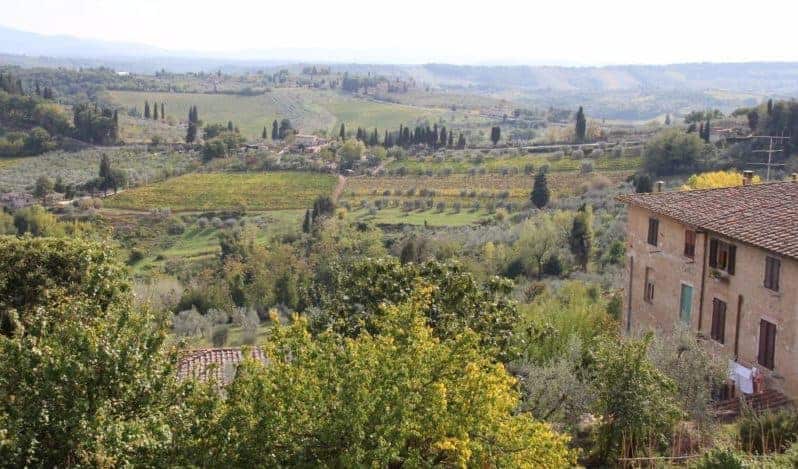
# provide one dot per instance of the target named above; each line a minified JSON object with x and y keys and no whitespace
{"x":430,"y":217}
{"x":138,"y":164}
{"x":462,"y":164}
{"x":197,"y":244}
{"x":220,"y":191}
{"x":309,"y":110}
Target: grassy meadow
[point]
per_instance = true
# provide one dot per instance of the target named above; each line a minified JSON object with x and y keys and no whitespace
{"x":220,"y":191}
{"x":309,"y":110}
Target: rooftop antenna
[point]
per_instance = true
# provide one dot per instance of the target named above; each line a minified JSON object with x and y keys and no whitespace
{"x":770,"y":151}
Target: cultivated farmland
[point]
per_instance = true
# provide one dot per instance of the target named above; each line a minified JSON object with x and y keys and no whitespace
{"x":465,"y":186}
{"x":220,"y":191}
{"x":138,"y":164}
{"x":308,"y":110}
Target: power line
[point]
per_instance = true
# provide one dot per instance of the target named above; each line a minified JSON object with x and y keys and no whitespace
{"x":770,"y":151}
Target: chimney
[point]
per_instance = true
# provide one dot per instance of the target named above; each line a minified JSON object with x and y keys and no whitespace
{"x":748,"y":177}
{"x":659,"y":185}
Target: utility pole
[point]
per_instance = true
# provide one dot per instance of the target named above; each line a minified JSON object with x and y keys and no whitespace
{"x":770,"y":151}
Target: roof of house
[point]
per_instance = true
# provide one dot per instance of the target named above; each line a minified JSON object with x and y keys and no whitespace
{"x":218,"y":364}
{"x":763,"y":215}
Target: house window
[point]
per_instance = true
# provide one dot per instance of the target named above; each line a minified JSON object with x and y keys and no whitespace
{"x":718,"y":320}
{"x":722,"y":255}
{"x":772,"y":267}
{"x":653,"y":231}
{"x":767,"y":344}
{"x":686,"y":303}
{"x":689,"y":244}
{"x":648,"y":293}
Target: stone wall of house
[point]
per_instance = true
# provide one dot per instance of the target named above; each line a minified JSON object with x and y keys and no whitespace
{"x":670,"y":270}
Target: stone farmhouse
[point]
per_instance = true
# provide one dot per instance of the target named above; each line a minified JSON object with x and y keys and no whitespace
{"x":724,"y":262}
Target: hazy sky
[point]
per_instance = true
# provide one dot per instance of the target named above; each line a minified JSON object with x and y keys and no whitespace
{"x":495,"y":31}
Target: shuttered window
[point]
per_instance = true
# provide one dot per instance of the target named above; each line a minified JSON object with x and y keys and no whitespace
{"x":648,"y":293}
{"x":722,"y":255}
{"x":718,"y":320}
{"x":689,"y":244}
{"x":772,"y":268}
{"x":686,"y":303}
{"x":653,"y":231}
{"x":767,"y":344}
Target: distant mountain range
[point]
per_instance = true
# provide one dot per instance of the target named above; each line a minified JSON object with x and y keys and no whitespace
{"x":777,"y":79}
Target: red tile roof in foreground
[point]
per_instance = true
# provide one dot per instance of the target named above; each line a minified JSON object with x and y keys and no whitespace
{"x":763,"y":215}
{"x":214,"y":363}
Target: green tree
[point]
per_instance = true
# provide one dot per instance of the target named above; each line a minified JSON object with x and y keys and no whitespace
{"x":581,"y":238}
{"x":461,"y":141}
{"x":581,"y":125}
{"x":342,"y":132}
{"x":275,"y":131}
{"x":146,"y":109}
{"x":264,"y":135}
{"x":540,"y":190}
{"x":397,"y":397}
{"x":538,"y":242}
{"x":636,"y":402}
{"x":643,"y":184}
{"x":163,"y":111}
{"x":44,"y":187}
{"x":77,"y":360}
{"x":36,"y":221}
{"x":350,"y":153}
{"x":155,"y":111}
{"x":672,"y":152}
{"x":37,"y":141}
{"x":458,"y":301}
{"x":495,"y":134}
{"x":753,"y":120}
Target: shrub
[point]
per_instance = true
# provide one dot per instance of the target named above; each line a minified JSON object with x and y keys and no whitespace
{"x":769,"y":431}
{"x":440,"y":206}
{"x":553,"y":266}
{"x":219,"y":336}
{"x":176,"y":227}
{"x":720,"y":459}
{"x":135,"y":257}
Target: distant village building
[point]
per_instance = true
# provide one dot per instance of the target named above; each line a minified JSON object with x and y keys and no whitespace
{"x":16,"y":200}
{"x":217,"y":364}
{"x":308,"y":143}
{"x":724,"y":262}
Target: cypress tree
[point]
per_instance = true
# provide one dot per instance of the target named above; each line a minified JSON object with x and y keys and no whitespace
{"x":230,"y":126}
{"x":385,"y":140}
{"x":163,"y":113}
{"x":38,"y":90}
{"x":581,"y":239}
{"x":461,"y":141}
{"x":581,"y":125}
{"x":155,"y":111}
{"x":307,"y":225}
{"x":770,"y":107}
{"x":146,"y":110}
{"x":275,"y":131}
{"x":707,"y":130}
{"x":451,"y":139}
{"x":443,"y":136}
{"x":540,"y":190}
{"x":495,"y":134}
{"x":342,"y":132}
{"x":264,"y":135}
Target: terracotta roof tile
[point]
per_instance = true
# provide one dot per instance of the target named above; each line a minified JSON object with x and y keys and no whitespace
{"x":214,"y":363}
{"x":764,"y":215}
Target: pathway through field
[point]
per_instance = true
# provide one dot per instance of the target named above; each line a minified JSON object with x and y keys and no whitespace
{"x":339,"y":188}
